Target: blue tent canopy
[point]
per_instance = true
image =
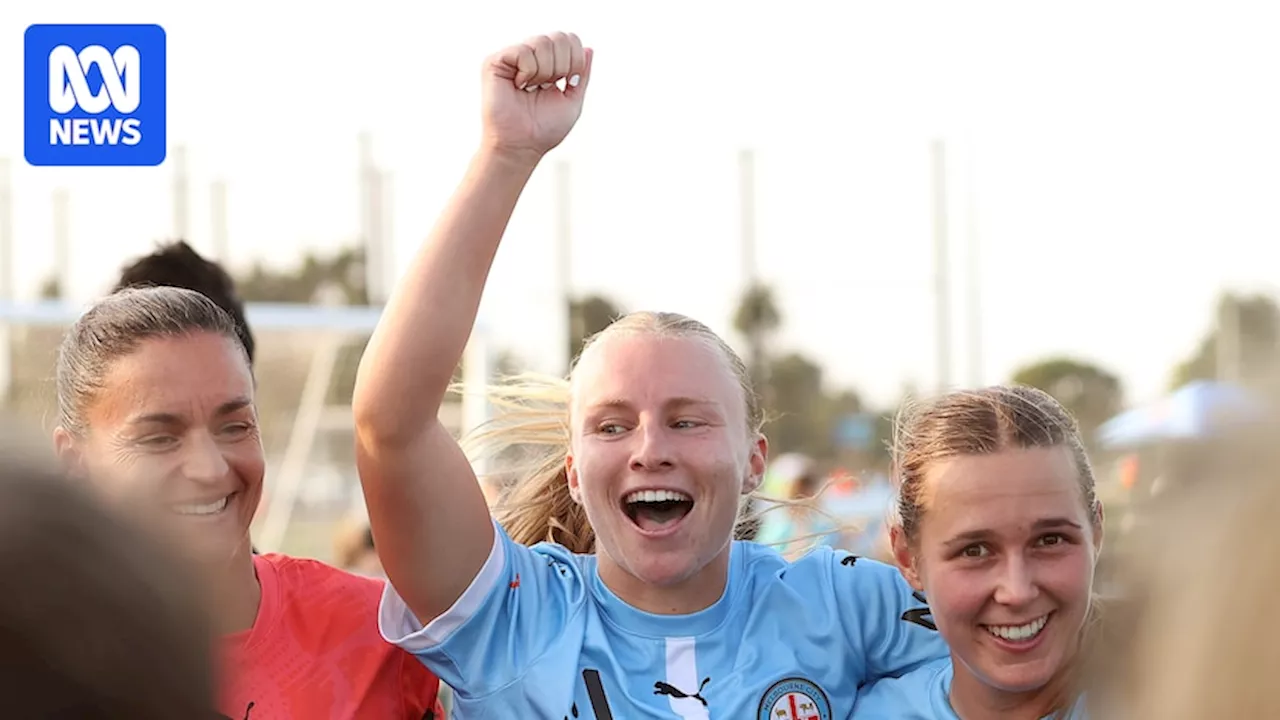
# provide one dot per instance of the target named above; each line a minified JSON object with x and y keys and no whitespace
{"x":1199,"y":409}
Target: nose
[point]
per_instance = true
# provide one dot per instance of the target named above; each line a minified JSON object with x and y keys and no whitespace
{"x":653,"y":450}
{"x":204,"y":461}
{"x":1017,"y":584}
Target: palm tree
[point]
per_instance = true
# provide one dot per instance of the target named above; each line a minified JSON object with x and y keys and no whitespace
{"x":756,"y":318}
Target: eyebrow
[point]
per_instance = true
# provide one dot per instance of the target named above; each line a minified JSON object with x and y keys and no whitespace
{"x":675,"y":402}
{"x":1042,"y":525}
{"x":225,"y":408}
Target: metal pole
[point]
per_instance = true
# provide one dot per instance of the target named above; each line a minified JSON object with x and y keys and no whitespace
{"x":371,"y":230}
{"x":62,"y":241}
{"x":758,"y":360}
{"x":1228,"y":344}
{"x":942,"y":266}
{"x":181,"y":198}
{"x":218,"y":221}
{"x":564,"y":253}
{"x":976,"y":375}
{"x":6,"y":275}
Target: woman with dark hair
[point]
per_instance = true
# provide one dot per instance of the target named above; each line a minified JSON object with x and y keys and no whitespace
{"x":156,"y":408}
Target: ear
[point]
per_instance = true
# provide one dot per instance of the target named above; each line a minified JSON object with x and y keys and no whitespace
{"x":571,"y":475}
{"x":906,"y":560}
{"x":68,"y":451}
{"x":756,"y":465}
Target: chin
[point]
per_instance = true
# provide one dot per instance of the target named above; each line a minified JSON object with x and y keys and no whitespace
{"x":664,"y":569}
{"x":1021,"y":677}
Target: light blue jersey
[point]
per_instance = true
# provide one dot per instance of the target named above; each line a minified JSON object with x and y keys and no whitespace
{"x":538,"y":635}
{"x":923,"y":694}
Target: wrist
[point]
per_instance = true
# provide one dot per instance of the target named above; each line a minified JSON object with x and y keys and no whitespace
{"x":508,"y":159}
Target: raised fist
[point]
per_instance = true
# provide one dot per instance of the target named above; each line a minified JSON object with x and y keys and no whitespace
{"x":533,"y":94}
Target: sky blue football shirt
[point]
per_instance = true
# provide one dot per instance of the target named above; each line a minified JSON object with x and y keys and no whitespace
{"x":538,"y":635}
{"x":923,"y":694}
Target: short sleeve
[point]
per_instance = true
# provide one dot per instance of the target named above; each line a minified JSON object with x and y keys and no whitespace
{"x":883,"y":617}
{"x":520,"y":603}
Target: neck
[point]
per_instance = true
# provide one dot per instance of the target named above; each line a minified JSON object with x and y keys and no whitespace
{"x":688,"y":596}
{"x":973,"y":699}
{"x":234,"y":591}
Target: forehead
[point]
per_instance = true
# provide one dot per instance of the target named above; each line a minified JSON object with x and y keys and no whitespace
{"x":174,"y":373}
{"x":647,"y":370}
{"x":1011,"y":488}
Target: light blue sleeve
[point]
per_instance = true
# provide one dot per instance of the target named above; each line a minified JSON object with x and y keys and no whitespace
{"x":918,"y":695}
{"x":519,"y":605}
{"x":886,"y":621}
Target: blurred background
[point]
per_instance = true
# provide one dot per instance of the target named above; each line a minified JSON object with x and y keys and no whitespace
{"x":869,"y":202}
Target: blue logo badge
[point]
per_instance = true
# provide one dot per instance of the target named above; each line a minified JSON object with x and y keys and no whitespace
{"x":94,"y":95}
{"x":794,"y":699}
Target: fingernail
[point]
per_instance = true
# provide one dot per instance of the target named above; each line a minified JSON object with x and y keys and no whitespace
{"x":574,"y":80}
{"x":530,"y":88}
{"x":544,"y":86}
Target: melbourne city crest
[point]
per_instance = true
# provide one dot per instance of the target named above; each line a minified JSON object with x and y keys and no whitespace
{"x":794,"y":699}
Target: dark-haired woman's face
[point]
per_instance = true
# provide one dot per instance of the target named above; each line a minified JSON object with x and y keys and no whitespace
{"x":174,"y":429}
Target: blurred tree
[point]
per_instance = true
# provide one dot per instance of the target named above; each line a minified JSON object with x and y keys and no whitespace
{"x":304,"y":283}
{"x":588,"y":316}
{"x":51,"y":288}
{"x":756,"y":318}
{"x":1257,"y":330}
{"x":1092,"y":394}
{"x":803,"y":415}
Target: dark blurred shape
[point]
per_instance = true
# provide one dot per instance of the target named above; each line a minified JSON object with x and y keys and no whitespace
{"x":588,"y":316}
{"x":177,"y":264}
{"x":1188,"y":633}
{"x":97,"y":620}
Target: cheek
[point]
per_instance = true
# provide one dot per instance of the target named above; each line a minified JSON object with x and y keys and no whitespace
{"x":1070,"y":578}
{"x":955,"y":594}
{"x":246,"y":460}
{"x":128,"y":478}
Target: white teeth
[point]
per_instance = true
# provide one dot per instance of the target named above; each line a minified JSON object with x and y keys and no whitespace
{"x":1018,"y":633}
{"x":207,"y":509}
{"x":653,"y":496}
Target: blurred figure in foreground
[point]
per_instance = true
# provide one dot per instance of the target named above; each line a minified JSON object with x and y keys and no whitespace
{"x":98,"y":620}
{"x":1193,"y":636}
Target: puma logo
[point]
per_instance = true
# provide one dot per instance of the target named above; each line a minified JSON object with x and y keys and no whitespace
{"x":661,"y":688}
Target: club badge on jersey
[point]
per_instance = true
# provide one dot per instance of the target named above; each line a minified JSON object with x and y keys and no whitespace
{"x":794,"y":699}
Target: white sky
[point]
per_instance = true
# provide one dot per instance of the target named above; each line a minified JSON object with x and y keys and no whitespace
{"x":1093,"y":136}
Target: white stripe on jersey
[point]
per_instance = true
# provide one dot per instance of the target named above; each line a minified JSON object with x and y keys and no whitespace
{"x":682,"y":673}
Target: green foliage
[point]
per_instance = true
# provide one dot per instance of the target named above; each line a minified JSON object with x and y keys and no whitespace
{"x":1092,"y":394}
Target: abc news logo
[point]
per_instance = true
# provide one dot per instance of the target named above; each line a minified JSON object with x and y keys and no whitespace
{"x":69,"y":89}
{"x":95,"y":95}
